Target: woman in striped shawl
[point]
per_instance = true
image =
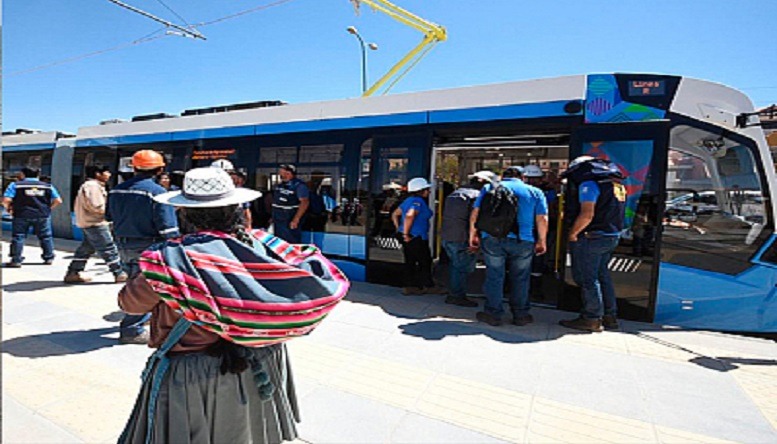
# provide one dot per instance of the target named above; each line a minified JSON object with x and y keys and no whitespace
{"x":223,"y":301}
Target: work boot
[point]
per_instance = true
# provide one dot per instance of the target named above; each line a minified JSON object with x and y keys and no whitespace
{"x":583,"y":324}
{"x":461,"y":301}
{"x":76,"y":278}
{"x":412,"y":291}
{"x":435,"y":290}
{"x":48,"y":261}
{"x":488,"y":318}
{"x":121,"y":277}
{"x":523,"y":320}
{"x":610,"y":322}
{"x":137,"y":339}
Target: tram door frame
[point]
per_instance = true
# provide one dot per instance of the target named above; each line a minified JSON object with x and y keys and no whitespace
{"x":658,"y":132}
{"x":388,"y":266}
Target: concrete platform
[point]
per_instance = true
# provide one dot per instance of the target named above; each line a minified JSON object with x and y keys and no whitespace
{"x":402,"y":369}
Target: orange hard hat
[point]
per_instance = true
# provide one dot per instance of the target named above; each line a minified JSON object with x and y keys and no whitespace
{"x":147,"y":160}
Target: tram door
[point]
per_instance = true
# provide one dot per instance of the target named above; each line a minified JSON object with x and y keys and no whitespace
{"x":639,"y":150}
{"x":387,"y":165}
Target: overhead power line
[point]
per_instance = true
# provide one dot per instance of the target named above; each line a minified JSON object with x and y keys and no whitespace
{"x":188,"y":32}
{"x":141,"y":40}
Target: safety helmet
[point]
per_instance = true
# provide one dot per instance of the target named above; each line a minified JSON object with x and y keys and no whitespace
{"x":224,"y":164}
{"x":417,"y":184}
{"x":579,"y":160}
{"x":532,"y":171}
{"x":147,"y":160}
{"x":488,"y":176}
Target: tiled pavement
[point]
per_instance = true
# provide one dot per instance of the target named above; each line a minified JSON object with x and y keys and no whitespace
{"x":390,"y":368}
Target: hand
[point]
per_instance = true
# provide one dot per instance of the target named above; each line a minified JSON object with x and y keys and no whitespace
{"x":474,"y":241}
{"x":294,"y":224}
{"x":472,"y":249}
{"x":540,"y":247}
{"x":572,"y":237}
{"x":406,"y":237}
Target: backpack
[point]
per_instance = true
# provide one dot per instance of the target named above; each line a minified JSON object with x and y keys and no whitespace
{"x":498,"y":212}
{"x":596,"y":170}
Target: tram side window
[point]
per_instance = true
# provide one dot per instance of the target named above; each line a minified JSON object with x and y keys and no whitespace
{"x":278,"y":155}
{"x":715,"y":212}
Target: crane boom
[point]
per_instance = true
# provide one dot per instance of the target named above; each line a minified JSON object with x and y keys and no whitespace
{"x":433,"y":34}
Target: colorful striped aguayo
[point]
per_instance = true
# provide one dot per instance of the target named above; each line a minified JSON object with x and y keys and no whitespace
{"x":254,"y":297}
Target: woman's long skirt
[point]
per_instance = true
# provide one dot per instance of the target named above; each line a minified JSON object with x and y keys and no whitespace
{"x":197,"y":404}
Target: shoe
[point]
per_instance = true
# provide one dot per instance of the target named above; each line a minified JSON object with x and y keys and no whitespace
{"x":583,"y":324}
{"x":523,"y":320}
{"x":76,"y":278}
{"x":13,"y":265}
{"x":121,"y":277}
{"x":412,"y":291}
{"x":48,"y":261}
{"x":610,"y":322}
{"x":461,"y":301}
{"x":488,"y":318}
{"x":435,"y":290}
{"x":137,"y":339}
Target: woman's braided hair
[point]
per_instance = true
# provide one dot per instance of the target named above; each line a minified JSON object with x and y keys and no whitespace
{"x":228,"y":219}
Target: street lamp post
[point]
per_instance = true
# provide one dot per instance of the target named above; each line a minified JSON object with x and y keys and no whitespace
{"x":363,"y":46}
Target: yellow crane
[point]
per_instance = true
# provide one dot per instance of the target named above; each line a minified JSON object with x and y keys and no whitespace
{"x":432,"y":34}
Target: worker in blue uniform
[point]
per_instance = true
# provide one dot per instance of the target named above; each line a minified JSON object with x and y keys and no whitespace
{"x":291,"y":199}
{"x":138,"y":223}
{"x":30,"y":202}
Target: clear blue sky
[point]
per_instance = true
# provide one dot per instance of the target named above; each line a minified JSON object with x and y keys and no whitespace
{"x":300,"y":52}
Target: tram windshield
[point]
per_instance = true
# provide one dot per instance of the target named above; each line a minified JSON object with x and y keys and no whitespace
{"x":716,"y":208}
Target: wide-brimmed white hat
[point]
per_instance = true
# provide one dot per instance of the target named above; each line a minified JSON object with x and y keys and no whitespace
{"x":207,"y":188}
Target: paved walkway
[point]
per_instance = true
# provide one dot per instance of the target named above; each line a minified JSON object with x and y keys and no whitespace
{"x":391,"y":368}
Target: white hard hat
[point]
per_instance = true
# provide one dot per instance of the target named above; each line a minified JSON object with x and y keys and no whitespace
{"x":417,"y":184}
{"x":488,"y":176}
{"x":580,"y":160}
{"x":532,"y":171}
{"x":224,"y":164}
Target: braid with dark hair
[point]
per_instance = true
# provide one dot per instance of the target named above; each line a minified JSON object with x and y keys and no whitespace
{"x":228,"y":219}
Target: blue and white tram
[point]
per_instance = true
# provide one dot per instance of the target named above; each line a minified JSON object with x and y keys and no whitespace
{"x":700,"y":248}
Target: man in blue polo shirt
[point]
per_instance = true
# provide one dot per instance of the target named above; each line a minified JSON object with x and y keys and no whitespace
{"x":514,"y":251}
{"x":598,"y":214}
{"x":30,"y":202}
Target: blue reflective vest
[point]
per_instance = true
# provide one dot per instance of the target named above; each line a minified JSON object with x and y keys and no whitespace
{"x":32,"y":200}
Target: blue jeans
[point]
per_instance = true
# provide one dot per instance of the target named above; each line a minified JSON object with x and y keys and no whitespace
{"x":590,"y":257}
{"x":96,"y":239}
{"x":20,"y":226}
{"x":461,"y":265}
{"x":130,"y":251}
{"x":517,"y":255}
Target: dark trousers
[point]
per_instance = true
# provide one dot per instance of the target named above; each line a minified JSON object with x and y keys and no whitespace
{"x":20,"y":226}
{"x":281,"y":220}
{"x":418,"y":263}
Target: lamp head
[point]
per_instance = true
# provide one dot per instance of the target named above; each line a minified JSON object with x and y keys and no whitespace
{"x":352,"y":30}
{"x":373,"y":46}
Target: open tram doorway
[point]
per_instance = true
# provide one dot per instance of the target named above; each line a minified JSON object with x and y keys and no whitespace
{"x":457,"y":156}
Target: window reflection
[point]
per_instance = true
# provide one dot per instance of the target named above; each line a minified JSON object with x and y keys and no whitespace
{"x":715,"y":208}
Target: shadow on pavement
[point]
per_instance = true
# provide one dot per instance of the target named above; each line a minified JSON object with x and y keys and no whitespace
{"x":60,"y":343}
{"x":19,"y":287}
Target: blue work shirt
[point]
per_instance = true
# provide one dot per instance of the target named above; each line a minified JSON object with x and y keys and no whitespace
{"x":135,"y":214}
{"x":287,"y":195}
{"x":420,"y":225}
{"x":10,"y":192}
{"x":531,"y":203}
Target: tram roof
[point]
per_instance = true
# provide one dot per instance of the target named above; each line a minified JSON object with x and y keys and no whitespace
{"x":531,"y":98}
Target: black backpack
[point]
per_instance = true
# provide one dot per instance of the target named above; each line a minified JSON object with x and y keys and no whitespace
{"x":596,"y":170}
{"x":498,"y":212}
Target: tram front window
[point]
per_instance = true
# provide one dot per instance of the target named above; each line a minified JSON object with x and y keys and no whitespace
{"x":715,"y":213}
